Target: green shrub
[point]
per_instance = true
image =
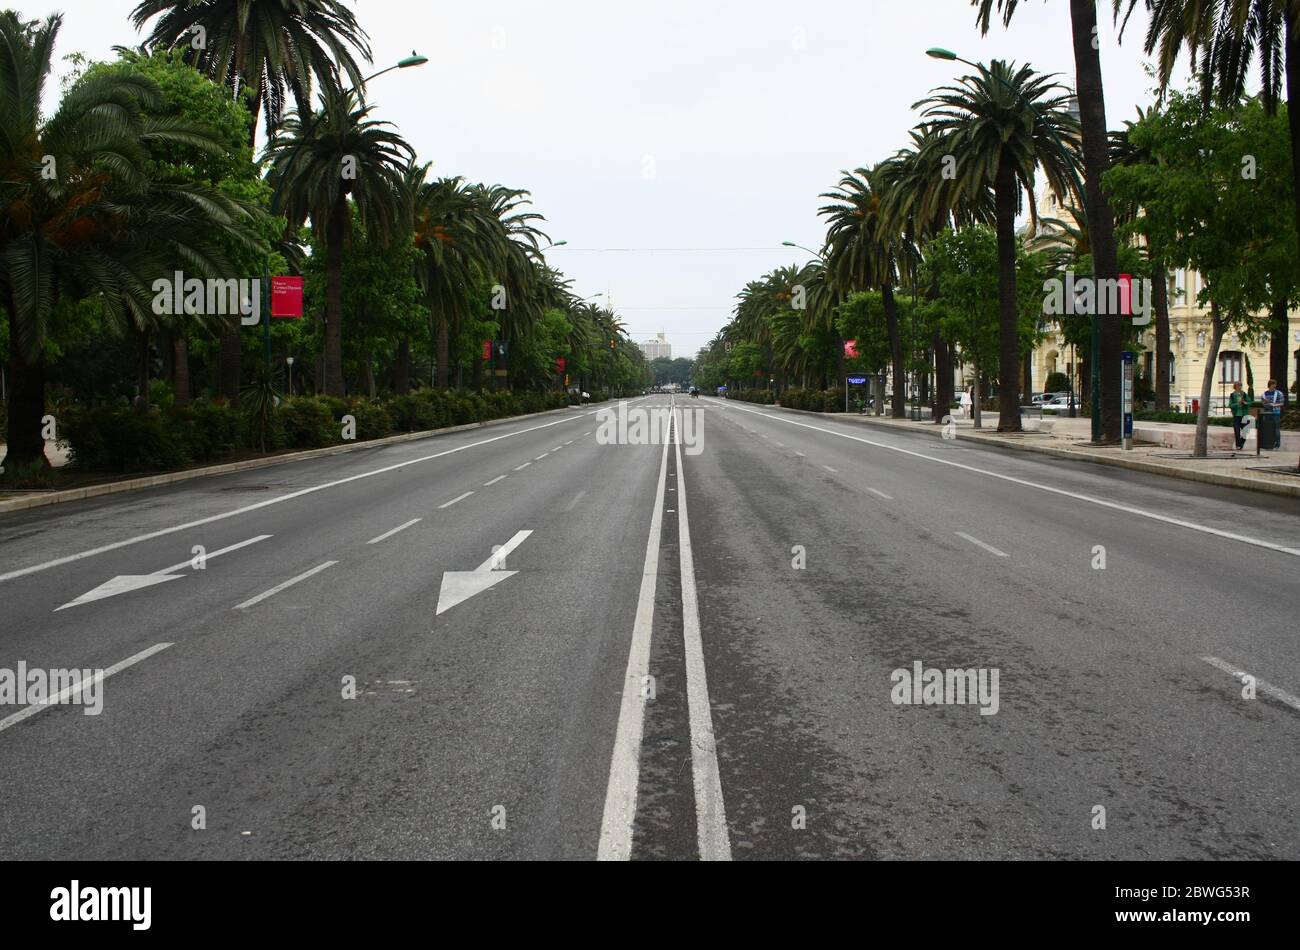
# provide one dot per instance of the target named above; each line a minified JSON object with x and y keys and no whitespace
{"x":308,"y":422}
{"x":373,"y":420}
{"x":123,"y":440}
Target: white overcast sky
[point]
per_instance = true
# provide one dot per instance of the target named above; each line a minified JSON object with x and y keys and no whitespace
{"x":674,"y":124}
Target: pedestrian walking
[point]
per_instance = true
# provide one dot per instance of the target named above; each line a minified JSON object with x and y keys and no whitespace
{"x":966,"y":403}
{"x":1239,"y":403}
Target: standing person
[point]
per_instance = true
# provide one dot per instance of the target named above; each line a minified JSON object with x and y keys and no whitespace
{"x":1274,"y":399}
{"x":966,"y":402}
{"x":1239,"y":403}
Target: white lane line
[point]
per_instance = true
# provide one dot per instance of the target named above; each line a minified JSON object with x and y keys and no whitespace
{"x":64,"y":694}
{"x":285,"y":586}
{"x":215,"y":554}
{"x":766,"y":437}
{"x":800,"y":455}
{"x":625,"y":762}
{"x":570,"y":442}
{"x":398,"y":530}
{"x":1114,"y":506}
{"x":710,"y":813}
{"x":455,"y":501}
{"x":498,"y":558}
{"x":831,"y":470}
{"x":980,"y":544}
{"x":542,"y":456}
{"x":71,"y":558}
{"x":587,"y":433}
{"x":1268,"y":689}
{"x":878,"y":492}
{"x":576,"y":498}
{"x":557,"y":448}
{"x":524,"y":466}
{"x":780,"y":445}
{"x":499,"y":478}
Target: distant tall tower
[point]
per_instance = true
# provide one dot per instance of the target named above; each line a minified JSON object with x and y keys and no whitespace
{"x":658,"y":348}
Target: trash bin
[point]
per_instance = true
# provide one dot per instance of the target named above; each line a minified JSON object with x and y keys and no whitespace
{"x":1269,"y":434}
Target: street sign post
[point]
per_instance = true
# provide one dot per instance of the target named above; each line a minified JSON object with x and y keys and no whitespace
{"x":852,"y":381}
{"x":286,"y":297}
{"x":1126,"y":390}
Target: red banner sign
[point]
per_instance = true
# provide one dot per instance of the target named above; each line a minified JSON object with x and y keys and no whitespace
{"x":286,"y":297}
{"x":851,"y":348}
{"x":560,"y":364}
{"x":487,"y":349}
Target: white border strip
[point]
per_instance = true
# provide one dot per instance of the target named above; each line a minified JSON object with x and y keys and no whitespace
{"x":710,"y":813}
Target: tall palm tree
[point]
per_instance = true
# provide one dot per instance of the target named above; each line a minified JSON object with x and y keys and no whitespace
{"x":469,"y":234}
{"x":1096,"y":158}
{"x":320,"y":162}
{"x":100,"y":227}
{"x":1223,"y":39}
{"x":1001,"y":125}
{"x":864,"y":248}
{"x":275,"y":49}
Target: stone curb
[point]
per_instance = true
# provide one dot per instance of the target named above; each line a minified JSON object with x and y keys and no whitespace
{"x":1154,"y":468}
{"x":170,"y":478}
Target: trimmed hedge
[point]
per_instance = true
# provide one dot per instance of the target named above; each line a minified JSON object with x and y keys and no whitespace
{"x":124,"y":440}
{"x":762,"y":397}
{"x":814,"y":400}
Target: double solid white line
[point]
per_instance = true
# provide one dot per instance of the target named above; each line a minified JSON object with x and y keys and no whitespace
{"x":625,"y":763}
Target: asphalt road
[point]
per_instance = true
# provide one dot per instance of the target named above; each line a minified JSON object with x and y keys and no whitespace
{"x":685,"y":654}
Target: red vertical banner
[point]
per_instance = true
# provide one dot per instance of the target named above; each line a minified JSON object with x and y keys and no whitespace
{"x":851,"y":348}
{"x":286,"y":297}
{"x":1126,"y":295}
{"x":487,"y":349}
{"x":560,"y":364}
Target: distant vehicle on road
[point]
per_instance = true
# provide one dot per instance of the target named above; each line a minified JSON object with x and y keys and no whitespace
{"x":1058,"y":403}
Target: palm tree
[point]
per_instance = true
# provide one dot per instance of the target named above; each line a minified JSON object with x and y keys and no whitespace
{"x":1001,"y":125}
{"x":274,"y":49}
{"x":319,"y":163}
{"x":864,"y":248}
{"x":100,"y":227}
{"x":1101,"y":223}
{"x":1223,"y":40}
{"x":464,"y":233}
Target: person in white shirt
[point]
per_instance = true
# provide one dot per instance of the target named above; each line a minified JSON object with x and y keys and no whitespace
{"x":965,"y":403}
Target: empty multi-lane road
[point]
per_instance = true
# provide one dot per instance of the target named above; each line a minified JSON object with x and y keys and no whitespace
{"x":523,"y":641}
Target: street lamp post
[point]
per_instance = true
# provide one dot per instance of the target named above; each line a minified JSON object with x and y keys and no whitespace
{"x":289,"y":360}
{"x":415,"y":59}
{"x":1094,"y":368}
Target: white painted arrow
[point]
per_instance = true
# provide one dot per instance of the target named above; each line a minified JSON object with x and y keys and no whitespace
{"x":460,"y":586}
{"x":126,"y":583}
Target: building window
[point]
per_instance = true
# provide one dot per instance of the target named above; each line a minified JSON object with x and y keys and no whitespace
{"x":1200,"y":339}
{"x":1172,"y":375}
{"x":1231,"y":368}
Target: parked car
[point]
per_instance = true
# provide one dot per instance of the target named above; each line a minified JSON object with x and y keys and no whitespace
{"x":1059,"y":403}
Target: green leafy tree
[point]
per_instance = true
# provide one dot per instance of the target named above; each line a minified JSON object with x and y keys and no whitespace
{"x":1202,"y":212}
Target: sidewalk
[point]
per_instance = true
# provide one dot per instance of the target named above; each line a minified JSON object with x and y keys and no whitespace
{"x":1166,"y":449}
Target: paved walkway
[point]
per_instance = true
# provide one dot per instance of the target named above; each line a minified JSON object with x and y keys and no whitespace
{"x":1068,"y":438}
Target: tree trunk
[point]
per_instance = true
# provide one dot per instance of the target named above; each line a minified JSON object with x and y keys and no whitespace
{"x":368,"y":367}
{"x":977,"y":396}
{"x":402,"y":367}
{"x":334,"y":300}
{"x":26,"y":443}
{"x":898,"y":406}
{"x":228,"y":375}
{"x":442,"y":348}
{"x":181,"y":369}
{"x":1160,"y":304}
{"x":1279,"y":343}
{"x":142,"y":373}
{"x":942,"y":380}
{"x":1207,"y":386}
{"x":1101,"y":220}
{"x":1004,"y":191}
